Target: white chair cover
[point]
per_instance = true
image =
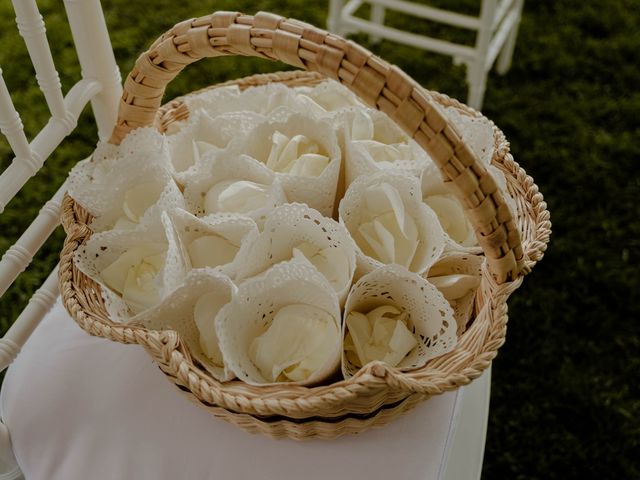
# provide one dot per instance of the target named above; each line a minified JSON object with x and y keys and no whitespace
{"x":81,"y":407}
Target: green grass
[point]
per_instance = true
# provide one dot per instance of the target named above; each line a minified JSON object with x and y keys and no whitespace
{"x":565,"y":398}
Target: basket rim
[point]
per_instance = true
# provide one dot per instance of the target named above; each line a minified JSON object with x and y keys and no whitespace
{"x":289,"y":401}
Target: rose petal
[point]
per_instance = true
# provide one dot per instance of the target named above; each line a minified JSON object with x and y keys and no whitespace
{"x":115,"y":275}
{"x":309,"y":165}
{"x":380,"y":334}
{"x":140,"y":289}
{"x":452,"y":218}
{"x":318,"y":356}
{"x":455,"y":286}
{"x":380,"y":243}
{"x":401,"y":343}
{"x":361,"y":127}
{"x":211,"y":251}
{"x":236,"y":196}
{"x":139,"y":198}
{"x":387,"y":242}
{"x":298,"y":155}
{"x":333,"y":263}
{"x":381,"y":198}
{"x":295,"y":334}
{"x":359,"y":332}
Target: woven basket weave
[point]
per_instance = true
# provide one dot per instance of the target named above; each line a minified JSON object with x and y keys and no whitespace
{"x":378,"y":393}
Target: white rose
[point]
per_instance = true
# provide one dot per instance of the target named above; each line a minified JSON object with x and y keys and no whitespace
{"x":200,"y":148}
{"x":237,"y":196}
{"x":380,"y":334}
{"x":211,"y":251}
{"x":329,"y":97}
{"x":457,"y":276}
{"x":387,"y":233}
{"x":136,"y":275}
{"x":381,"y":152}
{"x":452,"y":218}
{"x":136,"y":202}
{"x":359,"y":127}
{"x":455,"y":286}
{"x":300,"y":340}
{"x":331,"y":262}
{"x":298,"y":155}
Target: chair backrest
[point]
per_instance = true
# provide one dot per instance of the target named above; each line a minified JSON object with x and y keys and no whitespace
{"x":100,"y":85}
{"x":495,"y":27}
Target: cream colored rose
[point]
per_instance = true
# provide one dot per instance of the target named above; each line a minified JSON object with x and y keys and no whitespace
{"x":200,"y":148}
{"x":380,"y":334}
{"x":300,"y":340}
{"x":381,"y":152}
{"x":390,"y":223}
{"x":282,"y":326}
{"x":455,"y":286}
{"x":332,"y":262}
{"x":374,"y":143}
{"x":211,"y":251}
{"x":328,"y":97}
{"x":452,"y":218}
{"x":387,"y":233}
{"x":397,"y":317}
{"x":136,"y":201}
{"x":237,"y":196}
{"x":298,"y":155}
{"x":136,"y":275}
{"x":297,"y":231}
{"x":457,"y":276}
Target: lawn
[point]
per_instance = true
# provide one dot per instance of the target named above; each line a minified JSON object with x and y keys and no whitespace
{"x":565,"y":395}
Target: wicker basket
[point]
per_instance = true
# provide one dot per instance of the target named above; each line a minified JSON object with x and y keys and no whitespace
{"x":377,"y":393}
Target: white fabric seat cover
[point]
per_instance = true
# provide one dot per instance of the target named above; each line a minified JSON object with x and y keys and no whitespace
{"x":81,"y":407}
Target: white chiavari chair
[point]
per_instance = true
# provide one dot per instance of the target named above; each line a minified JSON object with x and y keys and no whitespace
{"x":463,"y":431}
{"x":496,"y":30}
{"x":99,"y":85}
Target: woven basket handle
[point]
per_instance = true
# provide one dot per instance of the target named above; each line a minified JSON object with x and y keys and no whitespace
{"x":377,"y":83}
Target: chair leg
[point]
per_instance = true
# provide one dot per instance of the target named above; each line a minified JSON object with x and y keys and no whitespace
{"x":477,"y":80}
{"x":333,"y":20}
{"x":506,"y":54}
{"x":477,"y":68}
{"x":377,"y":17}
{"x":466,"y":451}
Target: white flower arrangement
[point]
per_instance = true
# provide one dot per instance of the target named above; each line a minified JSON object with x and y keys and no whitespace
{"x":285,"y":234}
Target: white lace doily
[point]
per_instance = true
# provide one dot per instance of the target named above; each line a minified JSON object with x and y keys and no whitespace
{"x":233,"y":229}
{"x":176,"y":312}
{"x":226,"y":167}
{"x":430,"y":318}
{"x":318,"y":192}
{"x":457,"y":275}
{"x":354,"y":213}
{"x":101,"y":183}
{"x":254,"y":306}
{"x":374,"y":142}
{"x":289,"y":227}
{"x":151,"y":239}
